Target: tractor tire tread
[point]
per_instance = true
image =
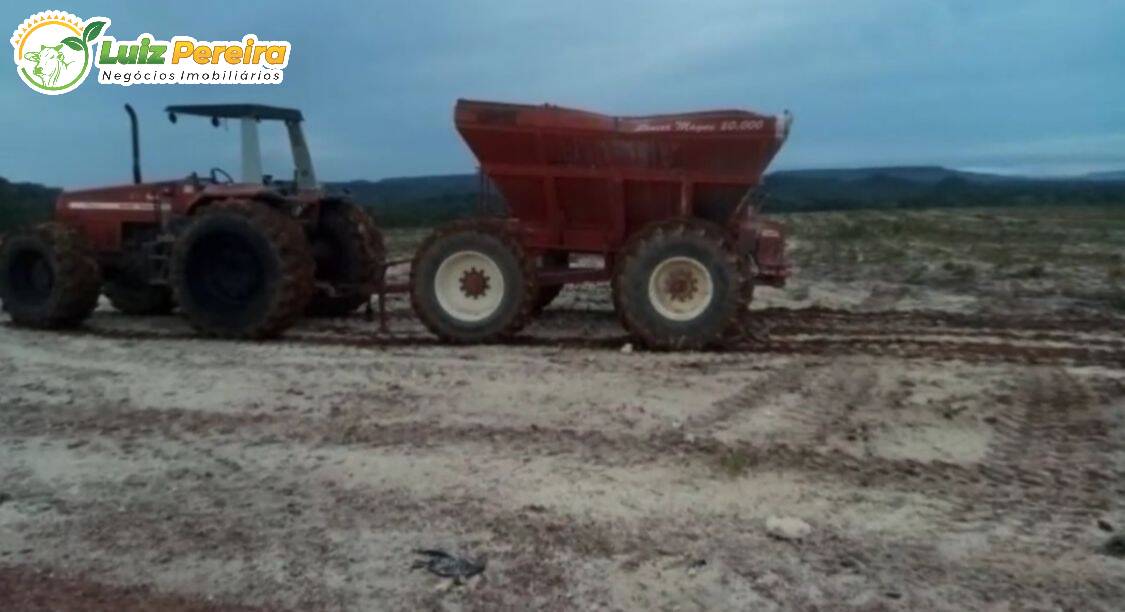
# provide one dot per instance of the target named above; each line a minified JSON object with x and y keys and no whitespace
{"x":360,"y":228}
{"x":295,"y":280}
{"x":660,"y":232}
{"x":77,"y":275}
{"x":496,"y":228}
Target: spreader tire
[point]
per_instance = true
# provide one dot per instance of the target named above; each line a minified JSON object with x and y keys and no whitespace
{"x":471,"y":282}
{"x":349,"y":253}
{"x":679,"y":285}
{"x":242,"y":270}
{"x":48,"y":278}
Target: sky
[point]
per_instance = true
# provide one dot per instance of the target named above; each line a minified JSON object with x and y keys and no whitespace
{"x":1012,"y":86}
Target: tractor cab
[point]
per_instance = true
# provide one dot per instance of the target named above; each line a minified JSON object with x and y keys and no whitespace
{"x":249,"y":116}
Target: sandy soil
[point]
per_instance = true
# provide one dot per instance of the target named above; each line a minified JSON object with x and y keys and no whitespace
{"x":944,"y":458}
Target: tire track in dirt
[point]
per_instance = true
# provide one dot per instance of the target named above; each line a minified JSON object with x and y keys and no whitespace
{"x":780,"y":381}
{"x":1017,"y":337}
{"x":1075,"y":329}
{"x":914,"y":565}
{"x":1057,"y":445}
{"x":813,"y":318}
{"x":972,"y":352}
{"x":530,"y":545}
{"x":29,"y":589}
{"x":945,"y":479}
{"x":823,"y":398}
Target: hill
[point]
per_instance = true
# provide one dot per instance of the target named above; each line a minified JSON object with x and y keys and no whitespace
{"x":424,"y":199}
{"x":407,"y":201}
{"x":1117,"y":175}
{"x":916,"y":188}
{"x":25,"y":203}
{"x":925,"y":175}
{"x":427,"y":200}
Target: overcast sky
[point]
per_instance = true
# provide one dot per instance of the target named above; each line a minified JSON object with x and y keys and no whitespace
{"x":1015,"y":86}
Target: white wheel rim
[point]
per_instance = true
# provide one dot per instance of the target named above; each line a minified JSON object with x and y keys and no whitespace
{"x":680,"y":288}
{"x":469,"y":286}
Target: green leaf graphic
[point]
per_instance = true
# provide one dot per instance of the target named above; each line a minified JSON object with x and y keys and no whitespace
{"x":92,"y":30}
{"x":74,"y":42}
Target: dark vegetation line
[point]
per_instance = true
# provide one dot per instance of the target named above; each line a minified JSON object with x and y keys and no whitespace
{"x":429,"y":200}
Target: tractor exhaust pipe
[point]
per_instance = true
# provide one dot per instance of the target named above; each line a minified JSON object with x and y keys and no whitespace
{"x":136,"y":145}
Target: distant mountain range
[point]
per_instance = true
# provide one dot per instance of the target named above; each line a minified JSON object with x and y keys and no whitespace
{"x":1118,"y":175}
{"x":24,"y":203}
{"x":425,"y":200}
{"x":402,"y":200}
{"x":923,"y":175}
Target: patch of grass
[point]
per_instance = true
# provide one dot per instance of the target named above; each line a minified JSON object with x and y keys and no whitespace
{"x":916,"y":275}
{"x":402,"y":242}
{"x":1115,"y":298}
{"x":1001,"y":257}
{"x":1115,"y":273}
{"x":959,"y":271}
{"x":734,"y":463}
{"x":1029,"y":272}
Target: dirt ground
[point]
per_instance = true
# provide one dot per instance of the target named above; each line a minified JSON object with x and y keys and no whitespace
{"x":948,"y":449}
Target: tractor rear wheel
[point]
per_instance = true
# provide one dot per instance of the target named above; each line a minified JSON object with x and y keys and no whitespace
{"x":48,"y":278}
{"x":349,"y":253}
{"x":471,"y":281}
{"x":242,"y":270}
{"x":679,"y":285}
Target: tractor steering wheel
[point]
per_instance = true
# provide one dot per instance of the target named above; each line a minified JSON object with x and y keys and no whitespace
{"x":215,"y":172}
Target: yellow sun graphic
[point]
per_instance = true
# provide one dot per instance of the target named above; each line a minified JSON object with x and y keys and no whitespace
{"x":35,"y":22}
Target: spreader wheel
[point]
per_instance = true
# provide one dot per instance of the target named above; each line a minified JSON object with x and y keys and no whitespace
{"x":349,"y":253}
{"x":678,"y":285}
{"x":471,"y":282}
{"x":48,"y":278}
{"x":242,"y":270}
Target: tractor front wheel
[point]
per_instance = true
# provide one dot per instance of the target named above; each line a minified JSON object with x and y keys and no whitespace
{"x":678,"y":285}
{"x":242,"y":270}
{"x":472,"y":282}
{"x":48,"y":278}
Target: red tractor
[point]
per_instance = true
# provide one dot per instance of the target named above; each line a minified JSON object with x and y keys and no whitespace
{"x":663,"y":202}
{"x":240,"y":258}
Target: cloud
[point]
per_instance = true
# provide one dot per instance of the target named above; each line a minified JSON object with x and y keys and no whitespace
{"x":1031,"y":85}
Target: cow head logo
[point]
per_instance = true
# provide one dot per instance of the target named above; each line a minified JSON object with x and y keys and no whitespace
{"x":53,"y":50}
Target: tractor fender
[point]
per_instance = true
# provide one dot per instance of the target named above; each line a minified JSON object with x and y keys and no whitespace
{"x":272,"y":199}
